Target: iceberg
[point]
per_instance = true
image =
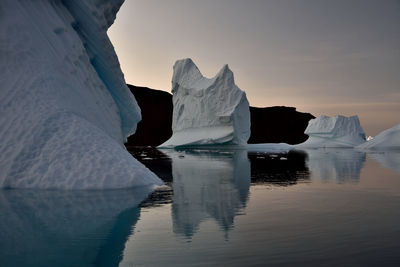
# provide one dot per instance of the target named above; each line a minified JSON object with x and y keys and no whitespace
{"x":207,"y":111}
{"x":65,"y":109}
{"x":338,"y":131}
{"x":386,"y":140}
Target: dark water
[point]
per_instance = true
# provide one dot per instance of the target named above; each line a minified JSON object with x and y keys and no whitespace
{"x":234,"y":208}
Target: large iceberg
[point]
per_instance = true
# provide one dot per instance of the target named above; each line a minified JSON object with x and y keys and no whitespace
{"x":207,"y":111}
{"x":338,"y":131}
{"x":65,"y":109}
{"x":386,"y":140}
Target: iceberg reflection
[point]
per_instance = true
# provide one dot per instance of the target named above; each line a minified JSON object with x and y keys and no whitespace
{"x":341,"y":165}
{"x":66,"y":228}
{"x":388,"y":159}
{"x":208,"y":184}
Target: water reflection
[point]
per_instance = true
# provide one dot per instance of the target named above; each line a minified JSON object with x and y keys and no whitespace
{"x":282,"y":169}
{"x":388,"y":159}
{"x":157,"y":161}
{"x":66,"y":228}
{"x":215,"y":183}
{"x":208,"y":184}
{"x":281,"y":222}
{"x":340,"y":165}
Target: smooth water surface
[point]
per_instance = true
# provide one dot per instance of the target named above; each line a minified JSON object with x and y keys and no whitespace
{"x":219,"y":207}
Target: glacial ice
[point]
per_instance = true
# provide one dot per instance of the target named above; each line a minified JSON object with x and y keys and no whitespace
{"x":65,"y":110}
{"x":338,"y":131}
{"x":386,"y":140}
{"x":207,"y":111}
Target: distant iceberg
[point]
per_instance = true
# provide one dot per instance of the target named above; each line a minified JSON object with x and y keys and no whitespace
{"x":207,"y":111}
{"x":338,"y":131}
{"x":386,"y":140}
{"x":65,"y":108}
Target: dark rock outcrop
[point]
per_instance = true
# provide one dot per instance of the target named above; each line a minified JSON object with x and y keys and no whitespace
{"x":155,"y":126}
{"x":268,"y":125}
{"x":278,"y":125}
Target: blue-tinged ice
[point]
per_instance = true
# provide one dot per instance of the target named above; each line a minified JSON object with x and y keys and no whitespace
{"x":65,"y":110}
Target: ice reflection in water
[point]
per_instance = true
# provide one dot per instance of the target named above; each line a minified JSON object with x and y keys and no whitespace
{"x":208,"y":184}
{"x":215,"y":183}
{"x":66,"y":228}
{"x":270,"y":209}
{"x":286,"y":215}
{"x":388,"y":159}
{"x":340,"y":165}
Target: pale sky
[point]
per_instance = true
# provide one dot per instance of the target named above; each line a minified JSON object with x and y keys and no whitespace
{"x":325,"y":57}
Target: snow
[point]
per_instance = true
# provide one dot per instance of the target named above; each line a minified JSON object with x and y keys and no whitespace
{"x":386,"y":140}
{"x":207,"y":111}
{"x":338,"y":131}
{"x":65,"y":110}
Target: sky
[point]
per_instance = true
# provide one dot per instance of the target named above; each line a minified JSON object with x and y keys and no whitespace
{"x":326,"y":57}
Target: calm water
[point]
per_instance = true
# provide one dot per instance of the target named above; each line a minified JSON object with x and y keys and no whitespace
{"x":234,"y":208}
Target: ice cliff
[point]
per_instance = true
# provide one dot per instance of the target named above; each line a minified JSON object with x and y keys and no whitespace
{"x":338,"y":131}
{"x":65,"y":109}
{"x":207,"y":111}
{"x":386,"y":140}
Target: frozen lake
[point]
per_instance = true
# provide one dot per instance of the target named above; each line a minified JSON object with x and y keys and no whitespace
{"x":219,"y":207}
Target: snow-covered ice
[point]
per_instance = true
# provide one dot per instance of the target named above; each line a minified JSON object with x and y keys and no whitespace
{"x":65,"y":109}
{"x":338,"y":131}
{"x":207,"y":111}
{"x":386,"y":140}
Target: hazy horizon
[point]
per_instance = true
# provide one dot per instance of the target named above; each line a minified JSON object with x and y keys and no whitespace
{"x":322,"y":57}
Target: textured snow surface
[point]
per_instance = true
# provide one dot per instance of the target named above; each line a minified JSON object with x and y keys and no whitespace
{"x":207,"y":111}
{"x":64,"y":107}
{"x":386,"y":140}
{"x":338,"y":131}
